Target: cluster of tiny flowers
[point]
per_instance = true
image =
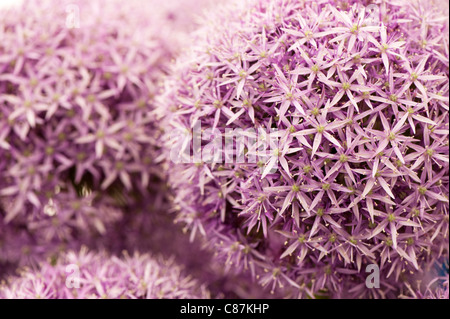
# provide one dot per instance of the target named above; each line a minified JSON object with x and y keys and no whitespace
{"x":356,"y":95}
{"x":76,"y":102}
{"x":76,"y":90}
{"x":84,"y":274}
{"x":80,"y":220}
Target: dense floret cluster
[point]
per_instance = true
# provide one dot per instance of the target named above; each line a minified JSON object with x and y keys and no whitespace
{"x":353,"y":98}
{"x":77,"y":139}
{"x":76,"y":103}
{"x":84,"y":274}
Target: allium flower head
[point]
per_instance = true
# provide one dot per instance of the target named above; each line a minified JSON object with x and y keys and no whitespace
{"x":357,"y":104}
{"x":86,"y":274}
{"x":76,"y":99}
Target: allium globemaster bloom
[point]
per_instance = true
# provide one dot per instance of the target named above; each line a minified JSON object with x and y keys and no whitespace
{"x":360,"y":107}
{"x":99,"y":275}
{"x":78,"y":142}
{"x":76,"y":102}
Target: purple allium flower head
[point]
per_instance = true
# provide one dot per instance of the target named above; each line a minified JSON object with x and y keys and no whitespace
{"x":76,"y":101}
{"x":357,"y":104}
{"x":87,"y":274}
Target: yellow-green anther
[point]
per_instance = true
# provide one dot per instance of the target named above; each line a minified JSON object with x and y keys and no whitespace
{"x":91,"y":98}
{"x":392,"y":136}
{"x":34,"y":82}
{"x":49,"y":150}
{"x":276,"y":272}
{"x":276,"y":152}
{"x":217,"y":104}
{"x":308,"y":34}
{"x":120,"y":166}
{"x":343,"y":158}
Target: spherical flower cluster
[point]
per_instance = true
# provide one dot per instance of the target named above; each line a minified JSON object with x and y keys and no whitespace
{"x":78,"y":144}
{"x":351,"y":99}
{"x":76,"y":102}
{"x":84,"y":274}
{"x":76,"y":89}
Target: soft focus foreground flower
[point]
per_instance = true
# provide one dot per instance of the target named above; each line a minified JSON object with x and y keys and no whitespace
{"x":76,"y":102}
{"x":86,"y":274}
{"x":80,"y":220}
{"x":359,"y":103}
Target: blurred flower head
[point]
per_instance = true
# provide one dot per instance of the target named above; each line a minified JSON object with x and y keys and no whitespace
{"x":84,"y":274}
